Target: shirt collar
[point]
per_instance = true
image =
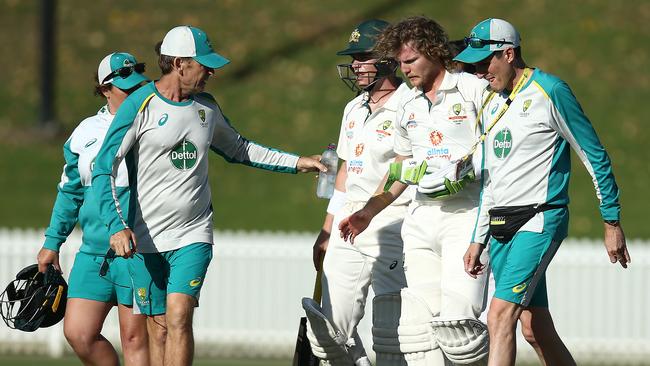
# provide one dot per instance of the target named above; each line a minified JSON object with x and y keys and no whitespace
{"x":449,"y":82}
{"x":393,"y":100}
{"x":103,"y":110}
{"x":391,"y":103}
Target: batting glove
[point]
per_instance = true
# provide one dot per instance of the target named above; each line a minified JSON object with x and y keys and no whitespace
{"x":408,"y":171}
{"x":447,"y":180}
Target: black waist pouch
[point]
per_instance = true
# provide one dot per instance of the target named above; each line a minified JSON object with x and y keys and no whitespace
{"x":505,"y":221}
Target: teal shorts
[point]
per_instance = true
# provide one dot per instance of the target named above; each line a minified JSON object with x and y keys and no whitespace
{"x":86,"y":283}
{"x":155,"y":275}
{"x":519,"y":267}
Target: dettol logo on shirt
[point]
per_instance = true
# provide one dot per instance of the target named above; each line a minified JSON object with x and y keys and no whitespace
{"x":183,"y":156}
{"x":502,"y":143}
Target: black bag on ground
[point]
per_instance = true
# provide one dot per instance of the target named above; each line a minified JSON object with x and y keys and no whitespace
{"x":505,"y":221}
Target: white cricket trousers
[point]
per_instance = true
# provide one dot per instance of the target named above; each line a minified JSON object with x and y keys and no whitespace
{"x":436,"y":236}
{"x":375,"y":259}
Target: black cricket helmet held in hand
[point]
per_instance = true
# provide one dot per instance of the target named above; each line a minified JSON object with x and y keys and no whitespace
{"x":34,"y":299}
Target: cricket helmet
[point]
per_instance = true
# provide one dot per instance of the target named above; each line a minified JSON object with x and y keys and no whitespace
{"x":362,"y":43}
{"x":34,"y":299}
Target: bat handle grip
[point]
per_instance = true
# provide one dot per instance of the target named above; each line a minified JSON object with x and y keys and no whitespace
{"x":318,"y":286}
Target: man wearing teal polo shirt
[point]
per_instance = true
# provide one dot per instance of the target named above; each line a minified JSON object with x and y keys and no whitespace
{"x":532,"y":119}
{"x":164,"y":132}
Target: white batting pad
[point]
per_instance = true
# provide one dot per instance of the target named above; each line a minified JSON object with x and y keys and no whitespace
{"x":327,"y":343}
{"x":415,"y":332}
{"x":464,"y":341}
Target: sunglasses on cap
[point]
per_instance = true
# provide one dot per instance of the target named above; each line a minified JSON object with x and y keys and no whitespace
{"x":124,"y":72}
{"x":475,"y":42}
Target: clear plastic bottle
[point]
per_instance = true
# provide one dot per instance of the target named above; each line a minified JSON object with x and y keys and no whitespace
{"x":325,"y":188}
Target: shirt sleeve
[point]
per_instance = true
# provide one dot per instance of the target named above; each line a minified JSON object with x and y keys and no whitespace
{"x":486,"y":202}
{"x":235,"y":148}
{"x":342,"y":149}
{"x":119,"y":139}
{"x":402,"y":143}
{"x":69,"y":199}
{"x":574,"y":126}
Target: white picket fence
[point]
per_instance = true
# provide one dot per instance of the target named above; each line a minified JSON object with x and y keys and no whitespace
{"x":250,"y":303}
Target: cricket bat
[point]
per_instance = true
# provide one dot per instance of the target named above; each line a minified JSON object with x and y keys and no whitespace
{"x":303,"y":356}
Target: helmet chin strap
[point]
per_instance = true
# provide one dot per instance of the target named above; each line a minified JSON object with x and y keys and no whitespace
{"x":368,"y":88}
{"x":385,"y":68}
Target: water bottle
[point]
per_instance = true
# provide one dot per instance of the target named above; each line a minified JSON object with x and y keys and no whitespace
{"x":325,"y":188}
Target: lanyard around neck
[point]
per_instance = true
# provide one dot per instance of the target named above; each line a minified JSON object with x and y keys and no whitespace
{"x":520,"y":84}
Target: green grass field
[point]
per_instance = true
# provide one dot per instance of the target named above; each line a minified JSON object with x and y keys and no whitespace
{"x":282,"y":90}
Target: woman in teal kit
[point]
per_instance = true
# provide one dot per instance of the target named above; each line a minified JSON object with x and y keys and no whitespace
{"x":90,"y":295}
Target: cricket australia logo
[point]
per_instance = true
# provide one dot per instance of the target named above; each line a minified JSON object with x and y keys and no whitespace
{"x":386,"y":125}
{"x":142,"y":295}
{"x":527,"y":104}
{"x":354,"y":37}
{"x":202,"y":117}
{"x":184,"y":155}
{"x":502,"y":143}
{"x":457,"y":108}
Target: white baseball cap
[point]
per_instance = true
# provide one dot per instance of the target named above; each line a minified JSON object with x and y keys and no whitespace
{"x":487,"y":37}
{"x":187,"y":41}
{"x":120,"y":69}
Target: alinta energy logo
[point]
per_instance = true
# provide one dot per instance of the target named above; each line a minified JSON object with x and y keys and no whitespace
{"x":502,"y":144}
{"x":184,"y":155}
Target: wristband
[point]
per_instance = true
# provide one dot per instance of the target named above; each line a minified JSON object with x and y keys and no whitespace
{"x":336,"y":202}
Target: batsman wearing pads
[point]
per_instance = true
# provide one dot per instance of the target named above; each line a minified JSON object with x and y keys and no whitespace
{"x":437,"y":126}
{"x":366,"y":146}
{"x":164,"y":132}
{"x":535,"y":119}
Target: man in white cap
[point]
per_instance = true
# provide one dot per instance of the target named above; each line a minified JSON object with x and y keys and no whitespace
{"x":531,"y":119}
{"x":164,"y":132}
